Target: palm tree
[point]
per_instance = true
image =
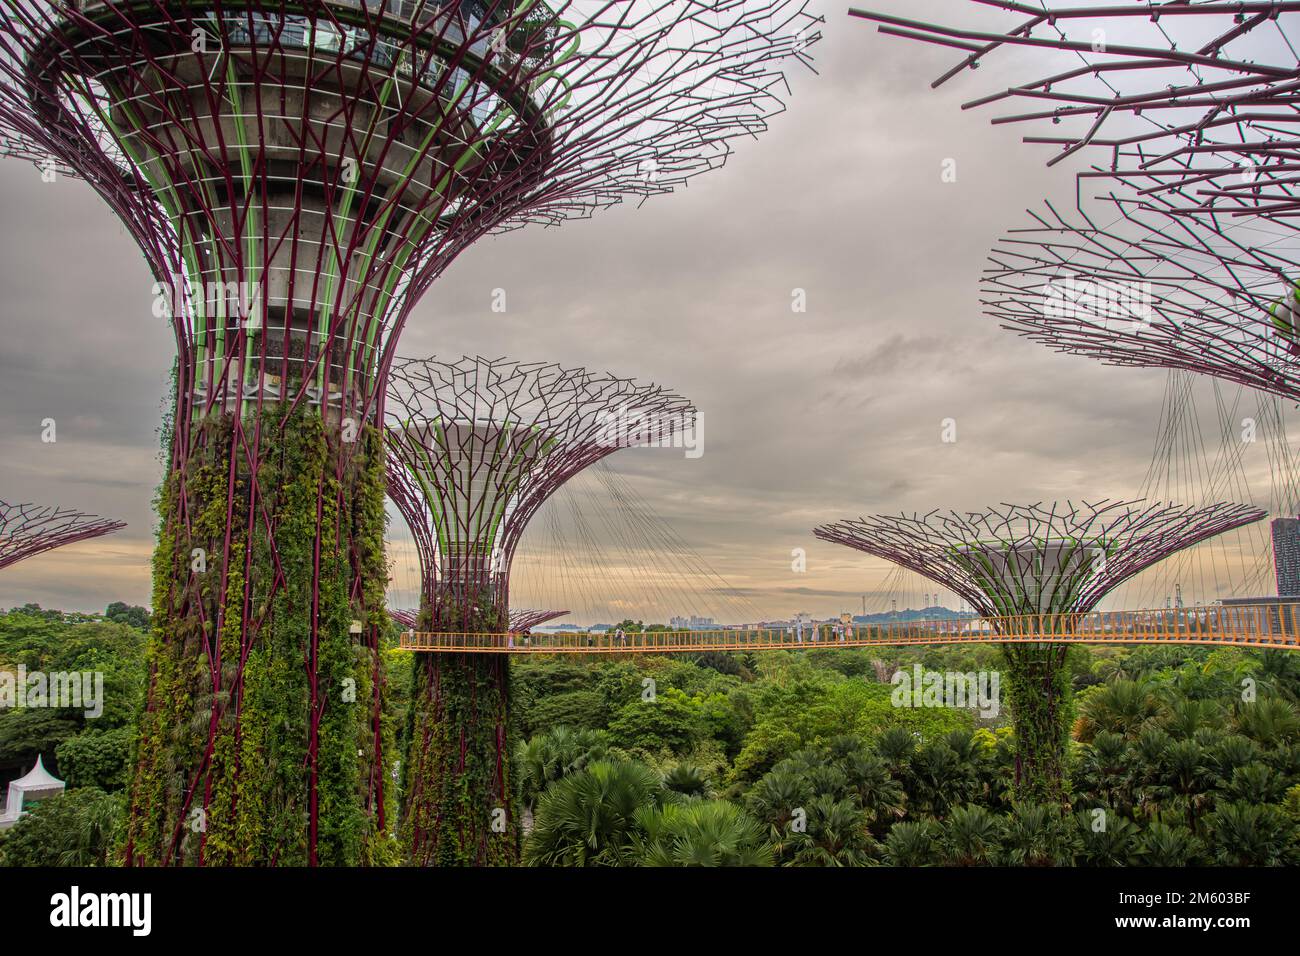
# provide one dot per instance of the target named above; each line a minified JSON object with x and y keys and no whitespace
{"x":1184,"y":717}
{"x":1241,"y":834}
{"x":971,"y":837}
{"x":547,"y":757}
{"x":1036,"y":835}
{"x":1228,"y":754}
{"x":775,"y":798}
{"x":1123,"y":707}
{"x":1278,"y":672}
{"x":1104,"y":773}
{"x":588,"y":818}
{"x":1269,"y":721}
{"x":699,"y":833}
{"x":1285,"y":760}
{"x":1106,"y":839}
{"x":1254,"y":783}
{"x":896,"y":746}
{"x":689,"y":781}
{"x":1182,"y":780}
{"x":913,"y":843}
{"x":940,"y":779}
{"x":879,"y":794}
{"x":1164,"y":845}
{"x":834,"y":833}
{"x":1148,"y":756}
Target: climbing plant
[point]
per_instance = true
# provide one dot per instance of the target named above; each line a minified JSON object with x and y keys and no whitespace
{"x":261,"y":739}
{"x":459,"y":795}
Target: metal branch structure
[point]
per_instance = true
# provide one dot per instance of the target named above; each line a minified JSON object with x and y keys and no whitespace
{"x":521,"y":620}
{"x":1203,"y":95}
{"x":1052,"y":560}
{"x":27,"y":530}
{"x":296,"y":175}
{"x":524,"y":619}
{"x":404,"y":616}
{"x":475,"y":448}
{"x":1133,"y":282}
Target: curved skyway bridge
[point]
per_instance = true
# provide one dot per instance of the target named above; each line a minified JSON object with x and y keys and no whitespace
{"x":1274,"y":625}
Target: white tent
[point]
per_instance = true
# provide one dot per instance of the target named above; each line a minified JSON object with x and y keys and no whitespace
{"x":36,"y":785}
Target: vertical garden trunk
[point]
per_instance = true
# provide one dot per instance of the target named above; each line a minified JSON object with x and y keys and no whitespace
{"x":459,"y":806}
{"x":1040,"y":713}
{"x":261,"y":741}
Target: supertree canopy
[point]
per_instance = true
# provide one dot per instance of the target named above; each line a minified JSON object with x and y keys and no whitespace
{"x":1055,"y":560}
{"x":476,"y":447}
{"x":28,"y":529}
{"x":296,"y":175}
{"x":1201,"y":94}
{"x":1131,"y":281}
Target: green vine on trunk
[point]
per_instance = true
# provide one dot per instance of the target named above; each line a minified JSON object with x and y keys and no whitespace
{"x":227,"y":755}
{"x":459,"y":796}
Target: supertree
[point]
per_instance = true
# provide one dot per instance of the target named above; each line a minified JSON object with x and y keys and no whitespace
{"x":1203,"y":95}
{"x":296,"y":175}
{"x":1054,"y":560}
{"x":1131,"y":281}
{"x":28,"y":529}
{"x":476,"y":447}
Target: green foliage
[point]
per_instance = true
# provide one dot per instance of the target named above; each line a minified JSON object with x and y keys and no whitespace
{"x":1036,"y":834}
{"x":809,"y":712}
{"x":971,"y":837}
{"x":689,"y":781}
{"x":579,"y":709}
{"x":131,"y":615}
{"x":52,"y":642}
{"x":699,"y":833}
{"x":1242,"y":834}
{"x":76,"y":828}
{"x":234,"y":724}
{"x":912,"y":844}
{"x":99,"y":759}
{"x":460,"y":792}
{"x":548,"y":757}
{"x":669,"y":721}
{"x":589,"y":818}
{"x":834,"y":833}
{"x":1037,"y":685}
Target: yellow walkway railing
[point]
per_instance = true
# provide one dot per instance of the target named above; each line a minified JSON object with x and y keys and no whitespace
{"x":1253,"y":625}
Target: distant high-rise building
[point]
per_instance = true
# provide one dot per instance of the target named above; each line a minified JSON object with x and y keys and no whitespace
{"x":692,"y":623}
{"x":1286,"y":555}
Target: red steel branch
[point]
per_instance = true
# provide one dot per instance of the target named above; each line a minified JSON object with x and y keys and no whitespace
{"x":1133,"y":281}
{"x":477,"y":446}
{"x":1117,"y":539}
{"x":521,"y":619}
{"x":1203,"y":95}
{"x":28,"y":529}
{"x":374,"y":142}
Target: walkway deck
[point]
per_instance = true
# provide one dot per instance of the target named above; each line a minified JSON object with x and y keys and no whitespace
{"x":1265,"y":625}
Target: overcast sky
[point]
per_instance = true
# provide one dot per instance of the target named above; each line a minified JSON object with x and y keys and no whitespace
{"x":809,"y":417}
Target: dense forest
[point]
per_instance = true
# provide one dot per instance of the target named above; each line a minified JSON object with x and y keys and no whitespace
{"x":1179,"y":756}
